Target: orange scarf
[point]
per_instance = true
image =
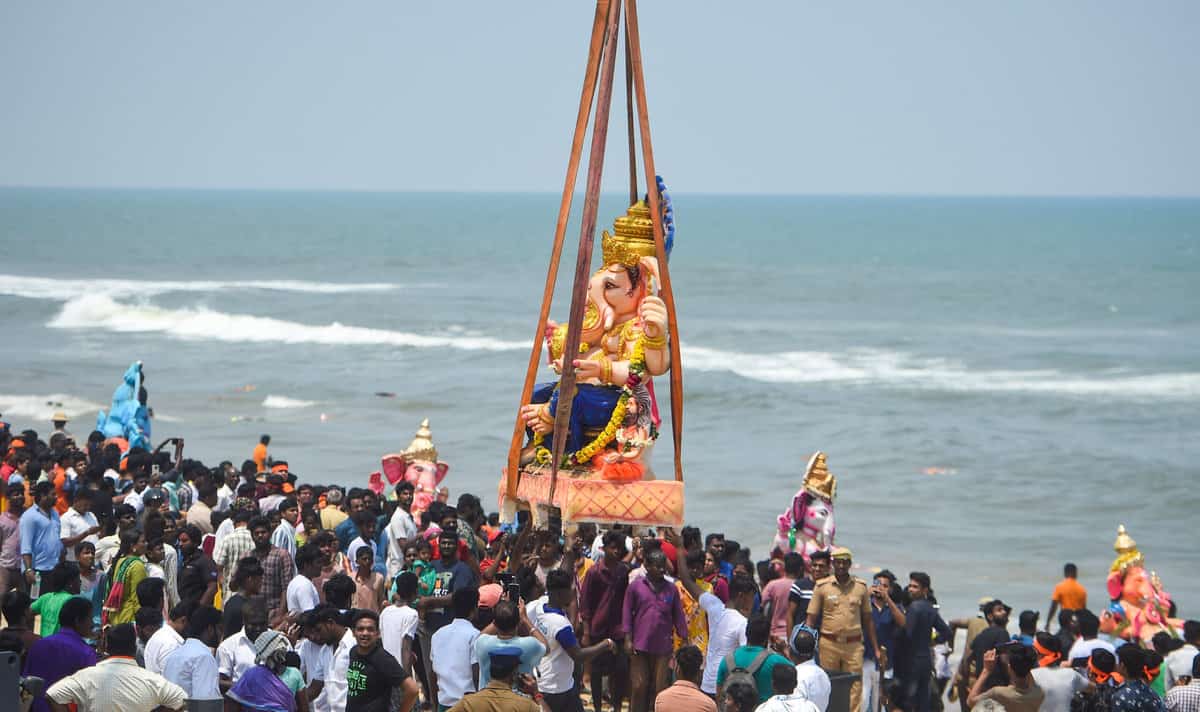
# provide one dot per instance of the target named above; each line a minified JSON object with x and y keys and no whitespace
{"x":1048,"y":656}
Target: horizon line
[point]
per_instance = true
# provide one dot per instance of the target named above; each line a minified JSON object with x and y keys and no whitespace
{"x":613,"y":192}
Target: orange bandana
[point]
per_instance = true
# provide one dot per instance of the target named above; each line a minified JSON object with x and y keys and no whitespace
{"x":1048,"y":656}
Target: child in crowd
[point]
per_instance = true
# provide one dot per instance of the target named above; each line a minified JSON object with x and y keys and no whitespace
{"x":369,"y":584}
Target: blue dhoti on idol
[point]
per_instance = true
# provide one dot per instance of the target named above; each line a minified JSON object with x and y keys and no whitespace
{"x":591,"y":410}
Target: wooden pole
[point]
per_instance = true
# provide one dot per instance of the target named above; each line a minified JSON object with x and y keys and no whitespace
{"x":639,"y":81}
{"x":633,"y":191}
{"x":587,"y":236}
{"x":560,"y":230}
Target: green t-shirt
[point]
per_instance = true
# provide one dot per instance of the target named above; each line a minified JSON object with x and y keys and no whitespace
{"x":293,"y":679}
{"x":48,"y":606}
{"x":743,"y":657}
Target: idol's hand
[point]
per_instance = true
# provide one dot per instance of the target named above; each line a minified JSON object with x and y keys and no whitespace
{"x":654,"y":317}
{"x":532,"y":415}
{"x":586,"y":370}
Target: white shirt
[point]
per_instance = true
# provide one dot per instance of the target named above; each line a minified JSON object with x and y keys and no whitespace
{"x":401,"y":527}
{"x":335,"y":691}
{"x":235,"y":655}
{"x":224,"y":529}
{"x":812,"y":683}
{"x":106,"y":549}
{"x":352,"y":552}
{"x":73,"y":524}
{"x":1060,"y":684}
{"x":1083,"y":648}
{"x":134,"y":499}
{"x":1179,"y":663}
{"x":302,"y":595}
{"x":164,"y":642}
{"x":396,"y":624}
{"x":450,"y":652}
{"x":314,"y":660}
{"x":556,"y":669}
{"x":116,"y":685}
{"x":225,"y":497}
{"x":193,"y":667}
{"x":270,"y":503}
{"x":726,"y":633}
{"x":787,"y":703}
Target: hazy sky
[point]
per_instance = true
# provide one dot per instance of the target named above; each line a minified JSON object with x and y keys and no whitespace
{"x":1013,"y":97}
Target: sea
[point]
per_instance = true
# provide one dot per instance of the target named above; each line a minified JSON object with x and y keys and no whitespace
{"x":998,"y":383}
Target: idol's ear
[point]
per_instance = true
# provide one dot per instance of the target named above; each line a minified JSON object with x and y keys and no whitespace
{"x":393,"y":467}
{"x":653,"y":282}
{"x":442,"y":469}
{"x":1115,"y":585}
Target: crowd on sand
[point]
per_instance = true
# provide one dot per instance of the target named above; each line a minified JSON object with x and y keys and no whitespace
{"x":136,"y":580}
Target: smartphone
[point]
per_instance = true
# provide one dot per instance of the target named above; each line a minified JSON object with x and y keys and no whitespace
{"x":513,"y":591}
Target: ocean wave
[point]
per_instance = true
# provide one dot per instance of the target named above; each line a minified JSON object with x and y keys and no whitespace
{"x":40,"y":408}
{"x":98,"y":311}
{"x":891,"y":368}
{"x":875,"y":367}
{"x":273,"y":401}
{"x":67,"y":289}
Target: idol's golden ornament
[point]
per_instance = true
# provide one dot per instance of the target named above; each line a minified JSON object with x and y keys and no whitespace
{"x":421,"y":447}
{"x":1127,"y":551}
{"x":632,"y":238}
{"x":817,"y":479}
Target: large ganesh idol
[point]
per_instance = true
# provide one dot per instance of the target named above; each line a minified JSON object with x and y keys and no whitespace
{"x":418,"y":464}
{"x":1140,"y":606}
{"x":623,"y":343}
{"x":807,"y":525}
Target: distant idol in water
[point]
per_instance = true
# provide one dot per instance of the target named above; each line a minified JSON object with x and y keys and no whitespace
{"x":806,"y":527}
{"x":623,"y":345}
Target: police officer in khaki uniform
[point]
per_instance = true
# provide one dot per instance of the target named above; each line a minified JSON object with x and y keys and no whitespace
{"x":842,"y":603}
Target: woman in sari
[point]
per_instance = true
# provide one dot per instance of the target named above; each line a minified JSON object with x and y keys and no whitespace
{"x":128,"y":570}
{"x":269,"y":686}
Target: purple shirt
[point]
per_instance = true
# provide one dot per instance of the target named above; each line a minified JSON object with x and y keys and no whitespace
{"x":649,"y":616}
{"x":602,"y":599}
{"x":56,"y":657}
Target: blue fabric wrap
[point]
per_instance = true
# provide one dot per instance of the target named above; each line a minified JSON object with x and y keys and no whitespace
{"x":591,"y":410}
{"x":127,"y":418}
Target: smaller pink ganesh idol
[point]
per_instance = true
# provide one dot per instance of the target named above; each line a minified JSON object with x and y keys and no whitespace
{"x":418,"y":464}
{"x":1137,"y":594}
{"x":807,"y":525}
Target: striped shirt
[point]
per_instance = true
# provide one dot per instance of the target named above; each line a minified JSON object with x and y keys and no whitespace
{"x":232,"y":549}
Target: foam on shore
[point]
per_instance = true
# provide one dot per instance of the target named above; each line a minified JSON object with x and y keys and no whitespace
{"x":98,"y":311}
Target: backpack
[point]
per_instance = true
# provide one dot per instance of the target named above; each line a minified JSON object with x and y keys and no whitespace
{"x":741,"y":674}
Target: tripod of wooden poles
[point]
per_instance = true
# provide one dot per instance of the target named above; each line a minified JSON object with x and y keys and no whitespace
{"x":598,"y":85}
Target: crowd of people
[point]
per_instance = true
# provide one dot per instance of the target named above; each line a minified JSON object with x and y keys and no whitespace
{"x":136,"y":580}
